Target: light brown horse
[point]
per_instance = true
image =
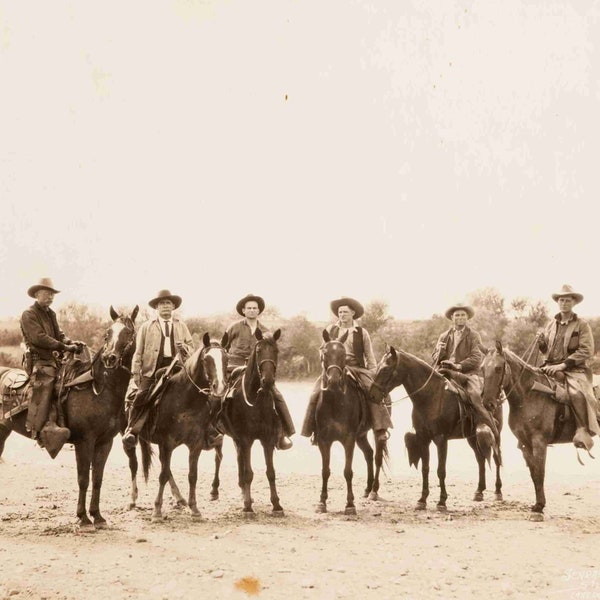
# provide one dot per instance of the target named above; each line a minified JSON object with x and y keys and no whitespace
{"x":534,"y":417}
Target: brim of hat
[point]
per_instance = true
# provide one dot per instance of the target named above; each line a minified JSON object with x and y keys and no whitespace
{"x":355,"y":305}
{"x":34,"y":289}
{"x":470,"y":312}
{"x":578,"y":297}
{"x":240,"y":305}
{"x":176,"y":300}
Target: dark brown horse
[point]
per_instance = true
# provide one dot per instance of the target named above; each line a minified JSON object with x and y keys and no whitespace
{"x":94,"y":413}
{"x":436,"y":416}
{"x":250,"y":415}
{"x":341,"y":417}
{"x":182,"y":416}
{"x":534,"y":417}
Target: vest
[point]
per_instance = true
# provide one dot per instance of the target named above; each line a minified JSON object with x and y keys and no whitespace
{"x":358,"y":345}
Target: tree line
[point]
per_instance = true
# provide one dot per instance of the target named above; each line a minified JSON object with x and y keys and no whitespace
{"x":515,"y":324}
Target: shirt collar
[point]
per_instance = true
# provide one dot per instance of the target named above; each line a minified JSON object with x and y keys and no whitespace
{"x":351,"y":328}
{"x":559,"y":320}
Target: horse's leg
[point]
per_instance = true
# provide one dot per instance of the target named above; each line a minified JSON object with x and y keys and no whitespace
{"x":349,"y":450}
{"x":498,"y":461}
{"x":180,"y":501}
{"x":442,"y":451}
{"x":165,"y":472}
{"x":245,"y":474}
{"x":424,"y":451}
{"x":101,"y":453}
{"x":268,"y":451}
{"x":536,"y":460}
{"x":325,"y":449}
{"x":5,"y":431}
{"x":214,"y":492}
{"x":478,"y":497}
{"x":133,"y":469}
{"x":83,"y":456}
{"x":193,"y":479}
{"x":363,"y":443}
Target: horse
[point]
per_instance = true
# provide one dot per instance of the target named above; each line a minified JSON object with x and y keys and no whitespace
{"x":94,"y":413}
{"x":249,"y":415}
{"x":341,"y":417}
{"x":534,"y":417}
{"x":182,"y":417}
{"x":436,"y":416}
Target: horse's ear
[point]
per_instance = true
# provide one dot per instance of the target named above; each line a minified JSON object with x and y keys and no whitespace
{"x":499,"y":347}
{"x":393,"y":352}
{"x":206,"y":339}
{"x":276,"y":335}
{"x":134,"y":314}
{"x":114,"y":315}
{"x":224,"y":340}
{"x":344,"y":337}
{"x":326,"y":336}
{"x":258,"y":334}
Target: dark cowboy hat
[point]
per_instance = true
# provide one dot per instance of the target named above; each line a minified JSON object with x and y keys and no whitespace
{"x":353,"y":304}
{"x":567,"y":290}
{"x":459,"y":306}
{"x":44,"y":284}
{"x":165,"y":295}
{"x":250,"y":298}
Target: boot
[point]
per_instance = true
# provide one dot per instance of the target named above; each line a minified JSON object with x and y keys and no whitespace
{"x":53,"y":438}
{"x":582,"y":438}
{"x":213,"y":436}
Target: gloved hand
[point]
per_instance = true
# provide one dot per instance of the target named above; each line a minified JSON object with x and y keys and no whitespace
{"x":72,"y":347}
{"x":446,"y":364}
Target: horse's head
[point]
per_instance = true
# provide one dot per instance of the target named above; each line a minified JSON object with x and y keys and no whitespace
{"x":333,"y":360}
{"x":214,"y":358}
{"x":496,"y":374}
{"x":265,"y":357}
{"x":383,"y":381}
{"x":119,"y":339}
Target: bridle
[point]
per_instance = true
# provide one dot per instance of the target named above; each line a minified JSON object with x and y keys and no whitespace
{"x":326,"y":370}
{"x":259,"y":365}
{"x":206,"y":390}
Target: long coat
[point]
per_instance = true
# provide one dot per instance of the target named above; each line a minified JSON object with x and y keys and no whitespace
{"x":468,"y":354}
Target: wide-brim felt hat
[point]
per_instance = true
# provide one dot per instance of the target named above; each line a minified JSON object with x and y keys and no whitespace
{"x":250,"y":298}
{"x":165,"y":295}
{"x":355,"y":305}
{"x":459,"y":306}
{"x":567,"y":290}
{"x":44,"y":284}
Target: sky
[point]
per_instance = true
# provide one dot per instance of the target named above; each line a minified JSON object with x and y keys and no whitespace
{"x":406,"y":151}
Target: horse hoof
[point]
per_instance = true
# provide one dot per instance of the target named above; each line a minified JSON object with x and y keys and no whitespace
{"x":180,"y":505}
{"x":441,"y":507}
{"x":278,"y":513}
{"x":214,"y":496}
{"x":131,"y":506}
{"x":321,"y":507}
{"x":157,"y":518}
{"x":197,"y":516}
{"x":100,"y":524}
{"x":350,"y":510}
{"x":249,"y":515}
{"x":86,"y":528}
{"x":536,"y":517}
{"x":374,"y":496}
{"x":478,"y":497}
{"x":421,"y":506}
{"x":498,"y":497}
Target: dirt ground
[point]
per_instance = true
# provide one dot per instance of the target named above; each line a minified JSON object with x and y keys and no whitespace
{"x":387,"y":551}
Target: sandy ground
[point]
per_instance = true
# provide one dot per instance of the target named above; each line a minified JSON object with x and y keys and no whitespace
{"x":387,"y":551}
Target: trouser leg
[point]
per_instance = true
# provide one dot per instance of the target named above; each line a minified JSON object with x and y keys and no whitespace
{"x":284,"y":413}
{"x":44,"y":377}
{"x":380,"y":416}
{"x":140,"y":407}
{"x":309,"y":423}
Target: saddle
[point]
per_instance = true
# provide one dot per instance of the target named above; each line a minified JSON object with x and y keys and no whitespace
{"x":15,"y":392}
{"x":555,"y":389}
{"x":454,"y":383}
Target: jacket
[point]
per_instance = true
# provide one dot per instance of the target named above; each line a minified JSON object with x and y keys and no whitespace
{"x":241,"y":342}
{"x":468,"y":353}
{"x":42,"y":332}
{"x":147,"y":345}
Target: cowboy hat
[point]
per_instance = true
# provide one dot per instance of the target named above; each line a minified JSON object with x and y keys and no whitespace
{"x":459,"y":306}
{"x":351,"y":303}
{"x":44,"y":284}
{"x":567,"y":290}
{"x":250,"y":298}
{"x":165,"y":295}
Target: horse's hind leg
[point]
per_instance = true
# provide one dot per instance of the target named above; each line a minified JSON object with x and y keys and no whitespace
{"x":214,"y":491}
{"x":5,"y":431}
{"x":363,"y":443}
{"x":180,"y":501}
{"x":83,"y":455}
{"x":349,"y":450}
{"x":165,"y":472}
{"x":133,"y":469}
{"x":442,"y":450}
{"x":268,"y":451}
{"x":478,"y":496}
{"x":100,"y":455}
{"x":193,"y":479}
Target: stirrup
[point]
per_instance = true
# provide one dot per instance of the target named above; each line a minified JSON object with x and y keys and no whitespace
{"x":284,"y":443}
{"x":382,"y":435}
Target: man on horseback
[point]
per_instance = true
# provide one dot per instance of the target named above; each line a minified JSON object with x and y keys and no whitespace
{"x":45,"y":342}
{"x":240,"y":344}
{"x":159,"y":341}
{"x":569,"y":345}
{"x":361,"y":362}
{"x":458,"y":355}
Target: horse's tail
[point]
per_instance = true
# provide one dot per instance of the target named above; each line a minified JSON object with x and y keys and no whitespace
{"x":382,"y":455}
{"x":485,"y":442}
{"x":411,"y":441}
{"x":147,"y":454}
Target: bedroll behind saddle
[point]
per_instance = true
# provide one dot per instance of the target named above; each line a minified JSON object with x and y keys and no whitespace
{"x":15,"y":392}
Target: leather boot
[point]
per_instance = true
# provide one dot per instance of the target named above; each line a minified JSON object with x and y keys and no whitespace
{"x":53,"y":438}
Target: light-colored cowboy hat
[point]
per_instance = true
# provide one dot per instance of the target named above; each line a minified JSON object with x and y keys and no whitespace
{"x":567,"y":290}
{"x":44,"y":284}
{"x":165,"y":295}
{"x":351,"y":303}
{"x":459,"y":306}
{"x":250,"y":298}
